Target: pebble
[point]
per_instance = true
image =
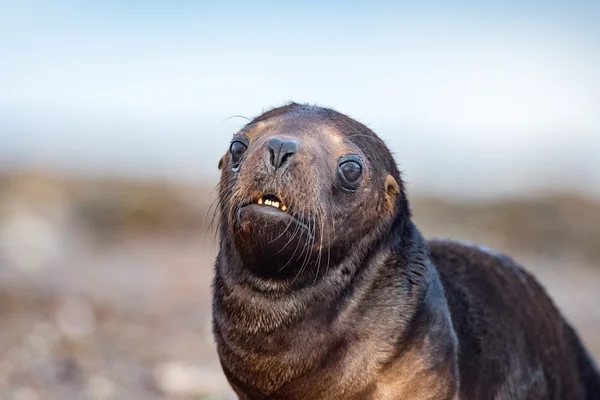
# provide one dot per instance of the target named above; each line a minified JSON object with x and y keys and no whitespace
{"x":75,"y":318}
{"x":181,"y":379}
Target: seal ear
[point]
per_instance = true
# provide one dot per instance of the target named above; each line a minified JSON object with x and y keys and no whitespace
{"x":222,"y":161}
{"x":391,"y":192}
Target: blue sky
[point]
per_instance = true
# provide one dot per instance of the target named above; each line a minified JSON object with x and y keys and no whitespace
{"x":512,"y":88}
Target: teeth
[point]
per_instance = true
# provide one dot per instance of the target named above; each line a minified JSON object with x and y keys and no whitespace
{"x":272,"y":203}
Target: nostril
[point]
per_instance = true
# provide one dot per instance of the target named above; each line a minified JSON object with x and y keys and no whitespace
{"x":280,"y":151}
{"x":272,"y":156}
{"x":286,"y":157}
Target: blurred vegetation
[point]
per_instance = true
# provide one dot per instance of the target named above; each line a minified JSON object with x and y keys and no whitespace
{"x":563,"y":226}
{"x":109,"y":206}
{"x":558,"y":225}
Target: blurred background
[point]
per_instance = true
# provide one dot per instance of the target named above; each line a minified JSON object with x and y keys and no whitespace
{"x":113,"y":116}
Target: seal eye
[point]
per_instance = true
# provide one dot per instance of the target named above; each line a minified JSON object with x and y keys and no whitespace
{"x":350,"y":170}
{"x":237,"y":150}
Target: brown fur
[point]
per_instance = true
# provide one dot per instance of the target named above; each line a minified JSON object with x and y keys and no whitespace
{"x":340,"y":297}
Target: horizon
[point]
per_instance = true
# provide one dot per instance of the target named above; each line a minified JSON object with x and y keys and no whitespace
{"x":509,"y":88}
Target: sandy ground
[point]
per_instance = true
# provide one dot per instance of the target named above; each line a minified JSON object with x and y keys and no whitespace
{"x":130,"y":319}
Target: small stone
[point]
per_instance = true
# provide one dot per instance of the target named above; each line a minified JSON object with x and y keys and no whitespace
{"x":180,"y":379}
{"x":69,"y":371}
{"x":75,"y":318}
{"x":29,"y":242}
{"x":25,"y":393}
{"x":100,"y":388}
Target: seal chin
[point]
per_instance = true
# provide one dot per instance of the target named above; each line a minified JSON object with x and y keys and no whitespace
{"x":272,"y":241}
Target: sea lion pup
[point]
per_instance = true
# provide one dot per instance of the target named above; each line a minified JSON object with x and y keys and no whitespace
{"x":325,"y":289}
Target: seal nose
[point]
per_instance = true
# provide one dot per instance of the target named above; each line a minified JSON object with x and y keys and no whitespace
{"x":280,"y":151}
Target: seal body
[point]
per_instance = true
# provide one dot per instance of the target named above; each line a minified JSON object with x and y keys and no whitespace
{"x":325,"y":289}
{"x":513,"y":342}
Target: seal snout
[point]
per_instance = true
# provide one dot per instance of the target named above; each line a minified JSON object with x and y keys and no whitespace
{"x":280,"y":151}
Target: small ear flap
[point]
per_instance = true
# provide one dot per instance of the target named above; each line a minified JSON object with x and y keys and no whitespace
{"x":391,"y":192}
{"x":222,"y":161}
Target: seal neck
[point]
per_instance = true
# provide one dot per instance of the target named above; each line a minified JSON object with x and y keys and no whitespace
{"x":236,"y":291}
{"x":395,"y":282}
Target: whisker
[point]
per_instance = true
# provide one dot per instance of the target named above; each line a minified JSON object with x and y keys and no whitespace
{"x":319,"y":214}
{"x":219,"y":198}
{"x":307,"y":246}
{"x":284,"y":231}
{"x":218,"y":202}
{"x":293,"y":234}
{"x":329,"y":242}
{"x":235,"y":116}
{"x":221,"y":204}
{"x":297,"y":244}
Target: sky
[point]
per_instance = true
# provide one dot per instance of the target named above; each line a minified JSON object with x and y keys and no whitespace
{"x":473,"y":99}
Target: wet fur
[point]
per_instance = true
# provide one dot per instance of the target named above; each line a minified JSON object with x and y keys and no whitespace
{"x":390,"y":315}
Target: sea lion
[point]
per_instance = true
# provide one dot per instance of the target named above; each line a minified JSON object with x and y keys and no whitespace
{"x":325,"y":289}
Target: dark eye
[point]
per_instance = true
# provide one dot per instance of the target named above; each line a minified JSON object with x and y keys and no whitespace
{"x":237,"y":150}
{"x":350,"y":171}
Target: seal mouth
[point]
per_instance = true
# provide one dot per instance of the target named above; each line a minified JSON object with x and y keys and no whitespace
{"x":272,"y":207}
{"x":272,"y":201}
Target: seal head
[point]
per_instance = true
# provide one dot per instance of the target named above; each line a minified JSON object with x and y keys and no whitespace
{"x":301,"y":186}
